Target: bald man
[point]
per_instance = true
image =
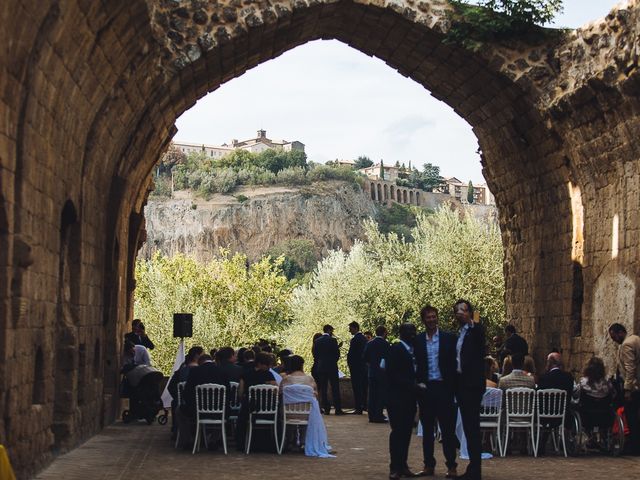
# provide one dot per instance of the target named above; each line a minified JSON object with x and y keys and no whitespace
{"x":555,"y":376}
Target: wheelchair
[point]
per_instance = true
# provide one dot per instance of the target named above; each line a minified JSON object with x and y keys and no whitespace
{"x":593,"y":427}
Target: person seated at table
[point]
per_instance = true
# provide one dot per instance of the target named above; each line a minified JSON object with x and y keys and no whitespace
{"x":248,"y":358}
{"x":295,"y":374}
{"x":490,"y":368}
{"x":595,"y":393}
{"x":260,"y":374}
{"x":282,"y":355}
{"x":507,"y":366}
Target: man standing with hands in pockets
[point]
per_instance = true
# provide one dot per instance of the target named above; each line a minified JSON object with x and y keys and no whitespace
{"x":470,"y":350}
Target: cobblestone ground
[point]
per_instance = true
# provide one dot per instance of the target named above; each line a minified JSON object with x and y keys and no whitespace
{"x":141,"y":451}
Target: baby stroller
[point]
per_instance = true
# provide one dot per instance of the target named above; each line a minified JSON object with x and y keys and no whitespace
{"x":142,"y":384}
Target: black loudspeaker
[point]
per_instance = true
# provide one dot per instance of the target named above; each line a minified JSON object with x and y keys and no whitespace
{"x":183,"y":325}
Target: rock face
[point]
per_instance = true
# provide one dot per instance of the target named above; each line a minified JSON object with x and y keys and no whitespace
{"x":330,"y":214}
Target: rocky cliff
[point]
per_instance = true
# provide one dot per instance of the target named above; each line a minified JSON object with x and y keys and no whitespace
{"x":255,"y":219}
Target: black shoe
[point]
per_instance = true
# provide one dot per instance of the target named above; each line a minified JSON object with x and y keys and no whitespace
{"x":339,"y":412}
{"x":357,"y":412}
{"x":379,"y":420}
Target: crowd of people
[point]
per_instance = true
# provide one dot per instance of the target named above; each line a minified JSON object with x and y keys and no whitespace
{"x":434,"y":376}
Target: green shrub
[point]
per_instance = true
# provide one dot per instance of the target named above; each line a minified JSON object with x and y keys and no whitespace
{"x":162,"y":187}
{"x":292,"y":176}
{"x":242,"y":198}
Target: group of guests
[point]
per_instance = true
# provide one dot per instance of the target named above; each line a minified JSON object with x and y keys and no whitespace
{"x":431,"y":374}
{"x":247,"y":367}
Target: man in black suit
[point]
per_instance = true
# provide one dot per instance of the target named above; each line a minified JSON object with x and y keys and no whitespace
{"x":471,"y":384}
{"x":374,"y":352}
{"x":137,"y":335}
{"x":555,"y":377}
{"x":206,"y":372}
{"x":400,"y":365}
{"x":326,"y":353}
{"x":513,"y":344}
{"x":357,"y":367}
{"x":226,"y":361}
{"x":435,"y":352}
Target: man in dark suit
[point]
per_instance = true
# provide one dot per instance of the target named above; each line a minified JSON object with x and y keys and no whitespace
{"x":555,"y":377}
{"x":226,"y":361}
{"x":326,"y":353}
{"x":357,"y":367}
{"x":137,"y":335}
{"x":513,"y":344}
{"x":374,"y":352}
{"x":435,"y":352}
{"x":471,"y":384}
{"x":206,"y":372}
{"x":400,"y":367}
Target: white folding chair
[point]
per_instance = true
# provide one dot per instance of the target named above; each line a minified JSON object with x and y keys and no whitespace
{"x":211,"y":399}
{"x":298,"y":414}
{"x":552,"y":406}
{"x":263,"y":404}
{"x":520,"y":414}
{"x":180,"y":402}
{"x":234,"y":402}
{"x":491,"y":415}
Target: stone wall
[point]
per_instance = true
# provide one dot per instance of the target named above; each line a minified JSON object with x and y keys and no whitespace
{"x":89,"y":93}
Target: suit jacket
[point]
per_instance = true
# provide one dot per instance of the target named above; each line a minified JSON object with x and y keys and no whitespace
{"x":401,"y":375}
{"x":557,"y":378}
{"x":355,"y":356}
{"x":516,"y":379}
{"x":206,"y":373}
{"x":326,"y":354}
{"x":140,"y":340}
{"x":516,"y":344}
{"x":446,"y":358}
{"x":234,"y":372}
{"x":472,"y":356}
{"x":629,"y":362}
{"x":374,"y":352}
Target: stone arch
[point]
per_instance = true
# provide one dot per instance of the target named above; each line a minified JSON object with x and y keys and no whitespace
{"x":372,"y":190}
{"x":418,"y":198}
{"x":404,"y":196}
{"x":386,"y":192}
{"x":411,"y":197}
{"x":392,"y":192}
{"x":379,"y":192}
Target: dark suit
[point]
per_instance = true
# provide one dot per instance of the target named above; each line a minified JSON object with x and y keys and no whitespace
{"x":358,"y":370}
{"x":516,"y":344}
{"x":401,"y":407}
{"x":560,"y":379}
{"x":139,"y":340}
{"x":326,"y":353}
{"x":233,"y":371}
{"x":374,"y":352}
{"x":208,"y":372}
{"x":470,"y":389}
{"x":437,"y":401}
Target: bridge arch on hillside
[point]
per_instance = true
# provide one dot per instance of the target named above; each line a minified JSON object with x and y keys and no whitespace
{"x":87,"y":120}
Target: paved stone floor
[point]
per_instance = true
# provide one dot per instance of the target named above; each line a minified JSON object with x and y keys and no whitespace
{"x":144,"y":452}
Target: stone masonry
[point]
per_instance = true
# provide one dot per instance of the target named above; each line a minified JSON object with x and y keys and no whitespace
{"x":89,"y":93}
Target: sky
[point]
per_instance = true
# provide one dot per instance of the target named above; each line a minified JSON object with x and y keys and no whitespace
{"x":342,"y":104}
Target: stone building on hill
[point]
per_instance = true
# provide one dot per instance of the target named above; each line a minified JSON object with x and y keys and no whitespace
{"x":254,"y":145}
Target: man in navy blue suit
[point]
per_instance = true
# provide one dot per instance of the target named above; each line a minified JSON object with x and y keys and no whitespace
{"x":470,"y":351}
{"x":374,"y":352}
{"x":436,"y":377}
{"x":400,"y":366}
